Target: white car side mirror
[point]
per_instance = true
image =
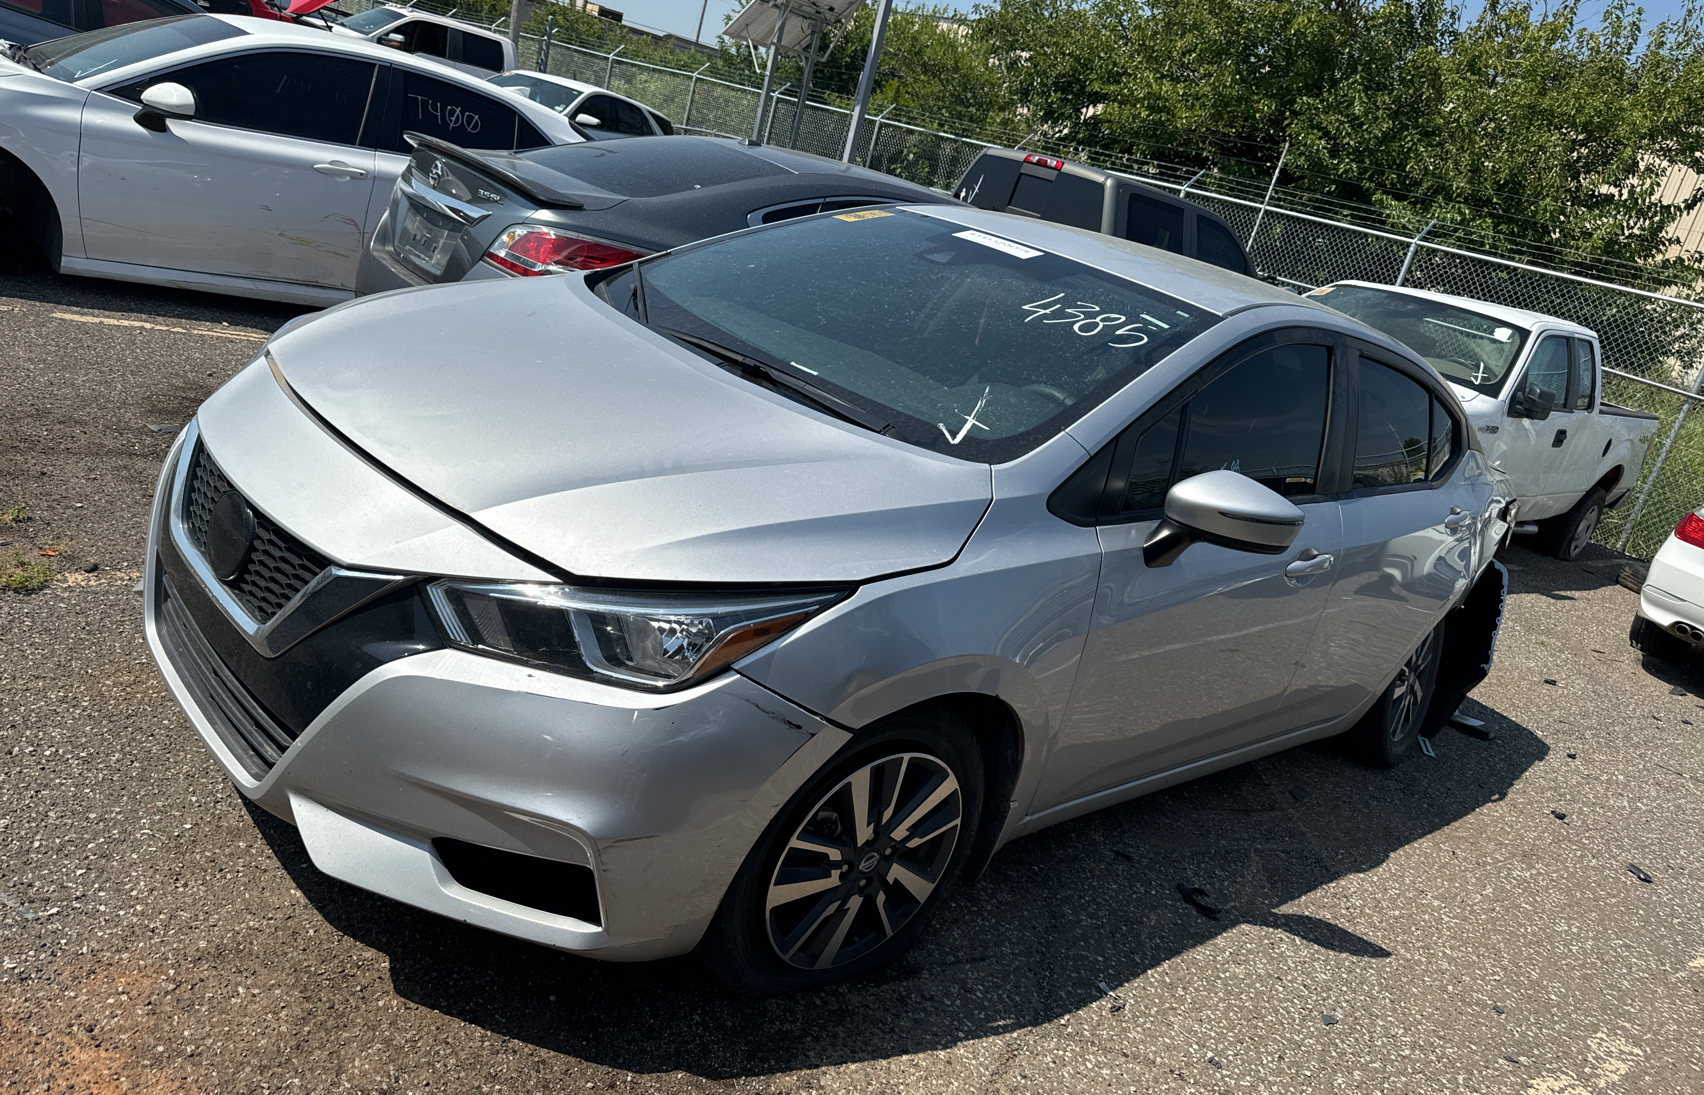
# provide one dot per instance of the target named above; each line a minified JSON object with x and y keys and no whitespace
{"x":586,"y":119}
{"x":163,"y":101}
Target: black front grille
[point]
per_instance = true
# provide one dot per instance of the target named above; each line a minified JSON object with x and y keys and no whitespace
{"x":242,"y":723}
{"x":279,"y":565}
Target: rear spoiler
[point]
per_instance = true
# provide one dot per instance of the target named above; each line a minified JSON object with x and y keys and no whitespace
{"x":493,"y":164}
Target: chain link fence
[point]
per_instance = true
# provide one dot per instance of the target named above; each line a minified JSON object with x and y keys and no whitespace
{"x":1653,"y":343}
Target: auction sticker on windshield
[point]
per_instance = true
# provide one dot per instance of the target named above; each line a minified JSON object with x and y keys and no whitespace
{"x":1015,"y":249}
{"x":862,"y":215}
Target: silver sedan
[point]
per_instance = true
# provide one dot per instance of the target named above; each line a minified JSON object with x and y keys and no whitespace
{"x":228,"y":153}
{"x":748,"y":598}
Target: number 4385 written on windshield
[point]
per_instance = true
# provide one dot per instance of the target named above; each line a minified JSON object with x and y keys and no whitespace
{"x":1088,"y":321}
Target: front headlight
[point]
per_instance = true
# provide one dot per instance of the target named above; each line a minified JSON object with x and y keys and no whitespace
{"x":654,"y":641}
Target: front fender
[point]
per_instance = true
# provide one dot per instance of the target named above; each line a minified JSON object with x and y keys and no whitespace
{"x":41,"y":121}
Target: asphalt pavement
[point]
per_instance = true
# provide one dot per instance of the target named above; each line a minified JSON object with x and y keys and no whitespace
{"x":1520,"y":914}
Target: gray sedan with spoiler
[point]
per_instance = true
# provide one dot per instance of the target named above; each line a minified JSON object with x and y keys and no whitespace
{"x":753,"y":595}
{"x":458,"y":214}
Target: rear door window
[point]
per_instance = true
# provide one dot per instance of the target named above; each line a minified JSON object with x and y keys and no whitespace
{"x":265,"y":92}
{"x":1154,"y":222}
{"x":1393,"y":434}
{"x":450,"y":112}
{"x":481,"y":52}
{"x":1215,"y":244}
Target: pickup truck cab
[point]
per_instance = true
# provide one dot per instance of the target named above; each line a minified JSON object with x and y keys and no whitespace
{"x":1029,"y":184}
{"x":1532,"y":387}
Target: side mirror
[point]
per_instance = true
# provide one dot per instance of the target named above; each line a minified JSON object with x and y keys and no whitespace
{"x":1533,"y":403}
{"x":163,"y":101}
{"x":393,"y":40}
{"x":1223,"y":508}
{"x":587,"y":119}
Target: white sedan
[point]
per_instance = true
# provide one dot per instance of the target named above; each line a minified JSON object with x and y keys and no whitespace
{"x":229,"y":154}
{"x":599,"y":111}
{"x":1670,"y":622}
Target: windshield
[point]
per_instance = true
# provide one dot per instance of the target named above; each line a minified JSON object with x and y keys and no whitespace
{"x":369,"y":21}
{"x":1471,"y":349}
{"x":543,"y":92}
{"x":965,"y":342}
{"x":97,"y":51}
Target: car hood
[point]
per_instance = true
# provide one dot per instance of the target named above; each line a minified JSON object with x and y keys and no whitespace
{"x":571,"y":431}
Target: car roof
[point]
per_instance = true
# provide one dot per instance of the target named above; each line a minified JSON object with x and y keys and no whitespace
{"x":1202,"y":284}
{"x":1517,"y":317}
{"x":446,"y":20}
{"x":552,"y":78}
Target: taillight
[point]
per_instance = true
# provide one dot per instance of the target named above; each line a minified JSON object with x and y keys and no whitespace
{"x":530,"y":250}
{"x":1045,"y":161}
{"x":1691,"y":530}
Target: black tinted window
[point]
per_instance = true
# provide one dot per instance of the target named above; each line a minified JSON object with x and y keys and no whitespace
{"x":1585,"y":375}
{"x":1150,"y":471}
{"x":988,"y":183}
{"x":1216,"y":245}
{"x":450,"y":112}
{"x":269,"y":93}
{"x":1031,"y":194}
{"x":478,"y":50}
{"x":664,"y":126}
{"x":601,"y":110}
{"x":1265,"y":418}
{"x":1393,"y":435}
{"x":630,"y":119}
{"x":1155,"y":223}
{"x":419,"y":36}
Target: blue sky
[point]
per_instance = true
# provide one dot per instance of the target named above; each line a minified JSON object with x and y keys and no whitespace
{"x":681,"y":16}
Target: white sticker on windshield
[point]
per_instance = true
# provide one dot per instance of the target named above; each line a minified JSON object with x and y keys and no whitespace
{"x":999,"y":244}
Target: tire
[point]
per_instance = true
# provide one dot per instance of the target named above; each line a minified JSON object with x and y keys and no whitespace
{"x":1566,"y":536}
{"x":1648,"y":638}
{"x":1387,"y":734}
{"x":862,"y":909}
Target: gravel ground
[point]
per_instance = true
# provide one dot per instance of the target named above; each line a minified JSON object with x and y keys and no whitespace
{"x":1438,"y":928}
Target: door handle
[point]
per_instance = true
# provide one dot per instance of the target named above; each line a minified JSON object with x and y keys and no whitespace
{"x":1457,"y":518}
{"x":1561,"y":436}
{"x":1308,"y":564}
{"x":341,"y":170}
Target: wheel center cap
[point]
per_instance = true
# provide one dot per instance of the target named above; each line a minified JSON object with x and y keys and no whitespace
{"x":868,"y":863}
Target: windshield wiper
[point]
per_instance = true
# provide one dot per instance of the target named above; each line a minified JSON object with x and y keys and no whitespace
{"x":752,"y":368}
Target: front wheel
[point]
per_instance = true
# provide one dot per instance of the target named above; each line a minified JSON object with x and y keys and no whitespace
{"x":1387,"y":733}
{"x":848,"y":873}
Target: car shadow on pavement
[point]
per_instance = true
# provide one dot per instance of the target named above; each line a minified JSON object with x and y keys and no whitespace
{"x":1057,"y":924}
{"x":1531,"y":572}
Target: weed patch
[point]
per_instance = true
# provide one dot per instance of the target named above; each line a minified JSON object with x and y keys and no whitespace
{"x":14,"y":514}
{"x":22,"y":576}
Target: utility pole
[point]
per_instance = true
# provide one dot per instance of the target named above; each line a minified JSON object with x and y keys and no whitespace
{"x":698,"y":35}
{"x":867,"y":82}
{"x":515,"y":23}
{"x":769,"y":72}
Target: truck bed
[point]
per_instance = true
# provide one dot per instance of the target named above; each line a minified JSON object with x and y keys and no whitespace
{"x":1607,"y":407}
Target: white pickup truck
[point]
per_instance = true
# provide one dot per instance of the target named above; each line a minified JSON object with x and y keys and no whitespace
{"x":1531,"y":385}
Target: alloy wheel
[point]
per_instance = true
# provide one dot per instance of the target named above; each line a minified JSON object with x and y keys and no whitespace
{"x":864,"y":861}
{"x":1408,"y":691}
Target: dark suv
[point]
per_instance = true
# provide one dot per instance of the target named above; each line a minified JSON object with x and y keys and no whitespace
{"x":1033,"y":185}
